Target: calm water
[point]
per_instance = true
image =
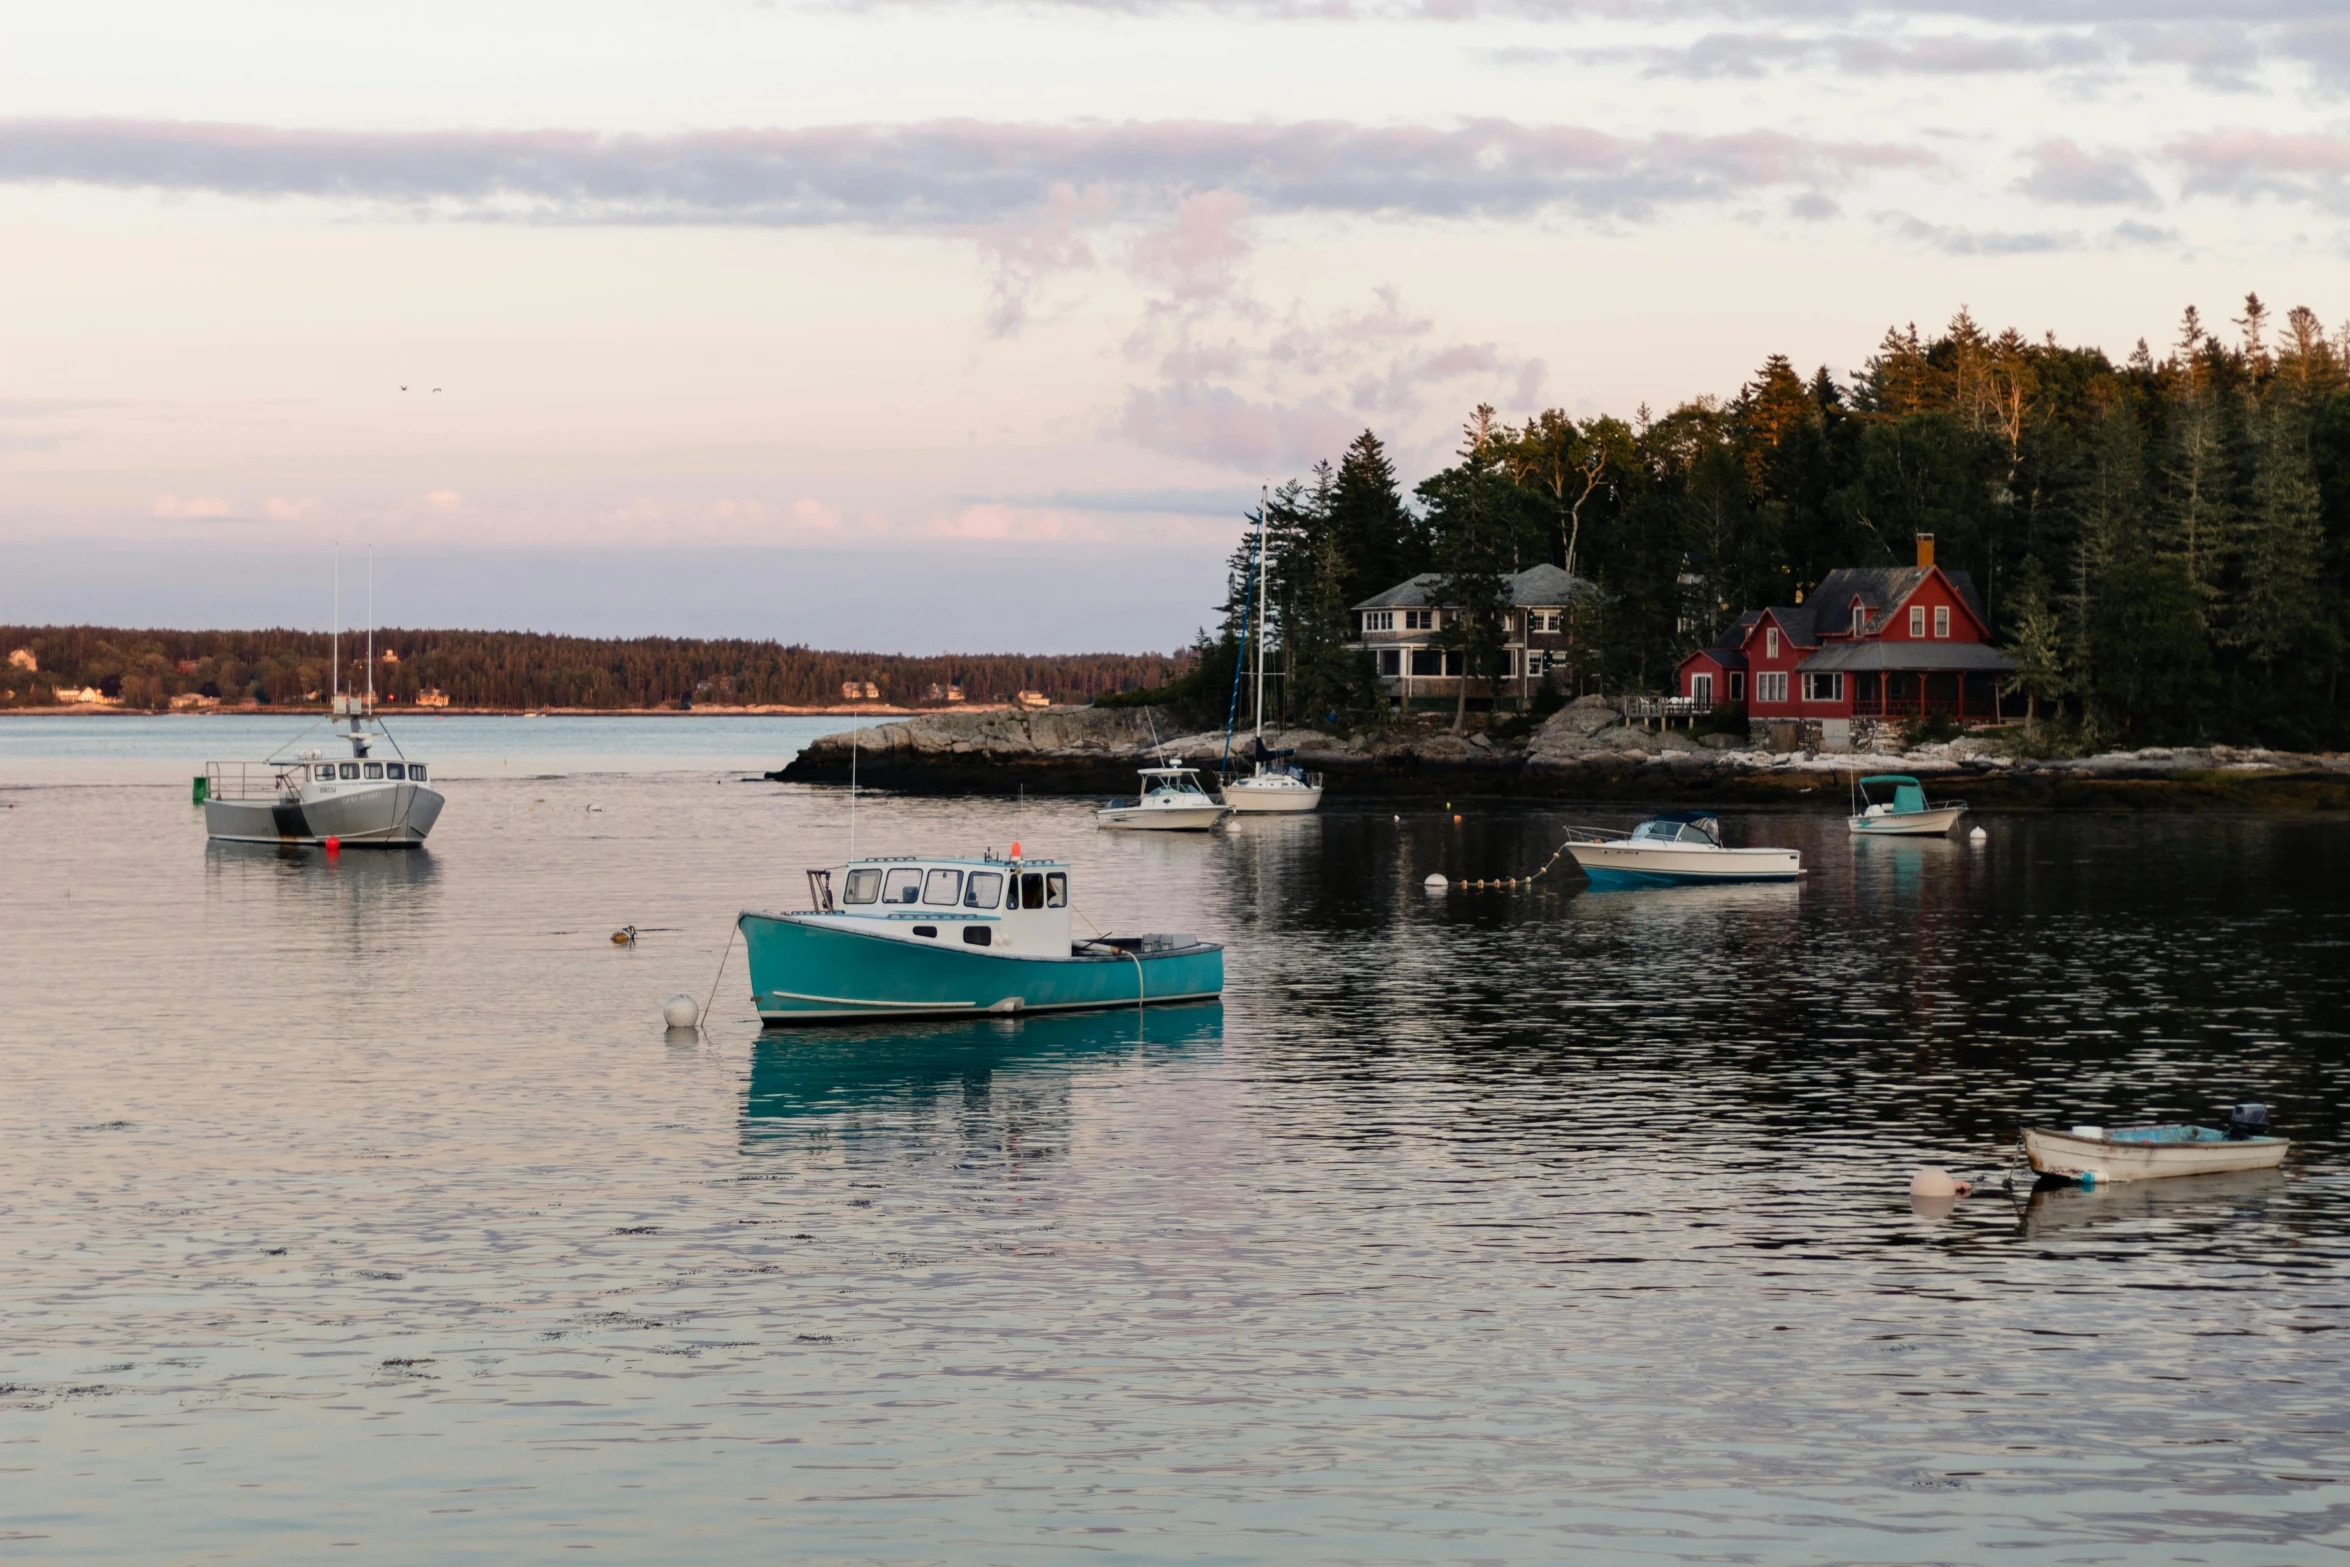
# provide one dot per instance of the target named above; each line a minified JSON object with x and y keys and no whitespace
{"x":365,"y":1212}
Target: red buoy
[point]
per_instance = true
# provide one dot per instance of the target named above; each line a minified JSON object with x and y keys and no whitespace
{"x":334,"y":845}
{"x":1015,"y":849}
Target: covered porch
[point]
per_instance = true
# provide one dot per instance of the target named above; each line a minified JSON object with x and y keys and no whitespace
{"x":1956,"y":680}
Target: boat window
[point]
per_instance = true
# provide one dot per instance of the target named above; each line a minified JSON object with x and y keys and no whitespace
{"x":324,"y":772}
{"x":350,"y":769}
{"x":982,"y":889}
{"x":927,"y":930}
{"x":942,"y":888}
{"x":903,"y":885}
{"x":394,"y":770}
{"x":375,"y":769}
{"x":1032,"y":890}
{"x":864,"y":887}
{"x":1056,"y":890}
{"x":978,"y":935}
{"x":416,"y":772}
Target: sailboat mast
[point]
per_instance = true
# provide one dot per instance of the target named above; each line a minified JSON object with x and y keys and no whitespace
{"x":371,"y":629}
{"x":1264,"y":503}
{"x":334,"y":646}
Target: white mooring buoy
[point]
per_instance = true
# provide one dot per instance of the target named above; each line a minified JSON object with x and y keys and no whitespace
{"x":1435,"y":882}
{"x":1978,"y":836}
{"x":679,"y":1011}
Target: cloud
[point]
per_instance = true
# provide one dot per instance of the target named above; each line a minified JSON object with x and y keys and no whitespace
{"x":1226,"y":501}
{"x":2064,"y":172}
{"x":443,"y":500}
{"x":964,"y":175}
{"x":2248,"y":164}
{"x":1978,"y":242}
{"x":191,"y":506}
{"x":1194,"y":256}
{"x":288,"y":508}
{"x":809,"y":512}
{"x":1217,"y":425}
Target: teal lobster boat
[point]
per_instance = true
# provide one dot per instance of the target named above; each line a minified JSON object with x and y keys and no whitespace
{"x":957,"y":938}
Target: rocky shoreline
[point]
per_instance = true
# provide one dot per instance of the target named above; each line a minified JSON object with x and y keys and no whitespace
{"x":1584,"y":752}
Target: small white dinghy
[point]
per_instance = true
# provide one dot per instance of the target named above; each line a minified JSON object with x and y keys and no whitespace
{"x":1905,"y":813}
{"x":1675,"y":849}
{"x":2097,"y":1154}
{"x":1171,"y":801}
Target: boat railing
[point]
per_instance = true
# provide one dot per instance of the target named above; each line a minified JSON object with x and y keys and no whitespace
{"x":250,"y":780}
{"x":1596,"y":835}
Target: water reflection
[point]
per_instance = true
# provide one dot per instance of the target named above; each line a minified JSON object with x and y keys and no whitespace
{"x":873,"y":1073}
{"x":2197,"y":1207}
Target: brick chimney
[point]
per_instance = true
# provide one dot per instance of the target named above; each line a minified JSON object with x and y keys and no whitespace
{"x":1925,"y":550}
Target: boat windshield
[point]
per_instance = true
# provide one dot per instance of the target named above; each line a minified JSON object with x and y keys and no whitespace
{"x":1174,"y":783}
{"x":1672,"y":830}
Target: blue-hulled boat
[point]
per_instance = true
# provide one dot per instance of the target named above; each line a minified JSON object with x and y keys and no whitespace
{"x":957,"y":938}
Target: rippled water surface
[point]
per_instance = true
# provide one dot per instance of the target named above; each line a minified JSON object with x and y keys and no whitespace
{"x":365,"y":1211}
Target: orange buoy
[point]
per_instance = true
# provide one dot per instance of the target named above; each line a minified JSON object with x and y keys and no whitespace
{"x":334,"y":845}
{"x":1015,"y":848}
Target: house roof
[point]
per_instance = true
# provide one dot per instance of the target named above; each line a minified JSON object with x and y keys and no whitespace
{"x":1726,"y":657}
{"x":1961,"y":656}
{"x":1537,"y":587}
{"x":1882,"y":588}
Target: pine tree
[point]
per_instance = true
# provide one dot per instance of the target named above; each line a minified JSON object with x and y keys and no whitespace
{"x":1376,"y":534}
{"x":1470,"y":510}
{"x":2036,"y":642}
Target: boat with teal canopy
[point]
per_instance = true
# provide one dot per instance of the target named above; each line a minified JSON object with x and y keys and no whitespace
{"x":944,"y":938}
{"x":1894,"y":805}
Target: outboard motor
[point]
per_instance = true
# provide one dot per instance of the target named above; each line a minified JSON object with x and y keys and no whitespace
{"x":2247,"y":1120}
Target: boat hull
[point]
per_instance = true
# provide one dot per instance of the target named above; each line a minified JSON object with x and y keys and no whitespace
{"x":1935,"y":823}
{"x":804,"y":972}
{"x":1620,"y":864}
{"x":397,"y":816}
{"x":1251,"y":798}
{"x":2108,"y":1159}
{"x":1169,"y":818}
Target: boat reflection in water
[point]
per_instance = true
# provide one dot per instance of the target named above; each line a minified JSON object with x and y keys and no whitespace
{"x":2197,"y":1200}
{"x":804,"y":1079}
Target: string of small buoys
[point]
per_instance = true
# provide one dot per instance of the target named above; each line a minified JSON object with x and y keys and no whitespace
{"x":1437,"y":883}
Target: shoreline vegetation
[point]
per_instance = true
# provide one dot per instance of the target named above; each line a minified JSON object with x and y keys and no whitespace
{"x":1583,"y":752}
{"x":318,"y":710}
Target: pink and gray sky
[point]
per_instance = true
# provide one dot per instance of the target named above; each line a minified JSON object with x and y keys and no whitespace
{"x":949,"y":324}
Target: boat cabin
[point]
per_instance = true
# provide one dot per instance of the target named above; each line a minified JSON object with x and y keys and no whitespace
{"x":1022,"y":905}
{"x":1908,"y":796}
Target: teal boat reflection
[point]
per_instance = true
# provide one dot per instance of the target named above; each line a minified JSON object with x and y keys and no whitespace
{"x":801,"y":1076}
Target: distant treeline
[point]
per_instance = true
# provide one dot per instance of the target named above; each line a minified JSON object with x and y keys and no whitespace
{"x":508,"y":669}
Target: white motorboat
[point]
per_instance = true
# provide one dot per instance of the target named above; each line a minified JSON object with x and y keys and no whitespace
{"x":2095,"y":1154}
{"x":1904,"y":813}
{"x":1276,"y":784}
{"x":1677,"y":848}
{"x":361,"y":799}
{"x":1171,"y":801}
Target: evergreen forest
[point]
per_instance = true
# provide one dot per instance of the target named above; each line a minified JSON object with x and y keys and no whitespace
{"x":2162,"y":545}
{"x":512,"y":670}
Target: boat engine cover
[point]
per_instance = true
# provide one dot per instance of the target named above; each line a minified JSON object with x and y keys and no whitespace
{"x":2247,"y":1120}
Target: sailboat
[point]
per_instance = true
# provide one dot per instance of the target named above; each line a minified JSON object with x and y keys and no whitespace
{"x":1275,"y":782}
{"x":356,"y":800}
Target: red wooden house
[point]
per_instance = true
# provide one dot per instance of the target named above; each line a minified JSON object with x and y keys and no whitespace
{"x":1893,"y":642}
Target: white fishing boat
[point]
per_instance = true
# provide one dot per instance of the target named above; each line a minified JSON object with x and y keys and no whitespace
{"x":1676,"y":848}
{"x":2142,"y":1153}
{"x":354,"y":798}
{"x":1901,"y":811}
{"x":1171,"y":800}
{"x":1275,"y":783}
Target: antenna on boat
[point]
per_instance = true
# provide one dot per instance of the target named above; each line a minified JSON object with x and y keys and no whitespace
{"x":852,"y":792}
{"x":371,"y":629}
{"x":334,"y":647}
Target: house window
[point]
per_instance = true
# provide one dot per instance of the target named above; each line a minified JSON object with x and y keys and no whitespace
{"x":1379,"y":620}
{"x":1542,"y":620}
{"x":1419,"y":620}
{"x":1917,"y":620}
{"x":1860,"y":617}
{"x":1824,"y":688}
{"x":1427,"y":661}
{"x":1770,"y":685}
{"x":1737,"y":685}
{"x":1390,"y":662}
{"x":1701,"y":690}
{"x":1941,"y":620}
{"x":1771,"y":643}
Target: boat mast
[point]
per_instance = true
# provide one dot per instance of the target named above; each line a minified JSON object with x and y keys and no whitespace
{"x":1264,"y":501}
{"x":371,"y":630}
{"x":334,"y":647}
